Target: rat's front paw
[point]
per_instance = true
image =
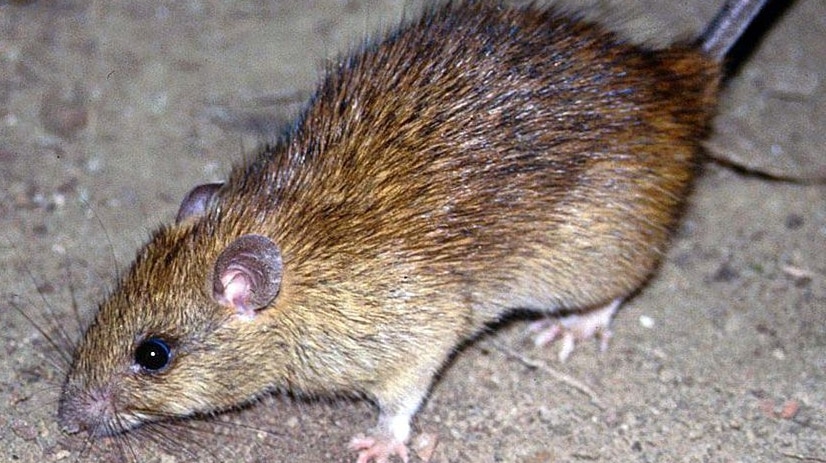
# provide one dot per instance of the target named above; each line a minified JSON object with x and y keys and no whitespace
{"x":377,"y":449}
{"x":576,"y":327}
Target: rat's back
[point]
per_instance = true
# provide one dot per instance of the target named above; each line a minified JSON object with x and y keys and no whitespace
{"x":523,"y":159}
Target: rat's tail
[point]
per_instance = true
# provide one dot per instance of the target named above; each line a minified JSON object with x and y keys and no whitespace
{"x":727,"y":27}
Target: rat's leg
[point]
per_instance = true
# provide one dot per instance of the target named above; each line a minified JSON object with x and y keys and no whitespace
{"x":388,"y":438}
{"x":399,"y":398}
{"x":575,"y":327}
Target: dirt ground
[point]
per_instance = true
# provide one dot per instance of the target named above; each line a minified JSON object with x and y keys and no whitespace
{"x":111,"y":111}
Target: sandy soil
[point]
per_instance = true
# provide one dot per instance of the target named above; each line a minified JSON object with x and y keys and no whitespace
{"x":111,"y":111}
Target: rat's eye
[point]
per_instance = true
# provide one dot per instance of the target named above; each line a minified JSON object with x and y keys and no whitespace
{"x":153,"y":354}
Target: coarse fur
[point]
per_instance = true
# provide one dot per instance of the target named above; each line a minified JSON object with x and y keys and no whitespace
{"x":480,"y":160}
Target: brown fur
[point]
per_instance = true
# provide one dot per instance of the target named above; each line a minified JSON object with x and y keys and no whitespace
{"x":475,"y":162}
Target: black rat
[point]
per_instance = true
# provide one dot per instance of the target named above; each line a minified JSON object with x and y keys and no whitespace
{"x":479,"y":160}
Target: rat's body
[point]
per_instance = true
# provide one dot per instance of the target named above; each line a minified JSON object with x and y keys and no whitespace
{"x":478,"y":161}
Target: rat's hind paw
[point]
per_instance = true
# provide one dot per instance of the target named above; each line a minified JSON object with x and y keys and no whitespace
{"x":576,"y":327}
{"x":377,"y":449}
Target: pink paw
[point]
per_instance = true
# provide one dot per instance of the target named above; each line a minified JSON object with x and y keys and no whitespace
{"x":576,"y":327}
{"x":377,"y":450}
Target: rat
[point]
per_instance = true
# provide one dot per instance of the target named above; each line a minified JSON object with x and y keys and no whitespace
{"x":479,"y":160}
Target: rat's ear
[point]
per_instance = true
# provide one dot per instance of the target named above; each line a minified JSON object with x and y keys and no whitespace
{"x":196,"y":201}
{"x":247,"y":274}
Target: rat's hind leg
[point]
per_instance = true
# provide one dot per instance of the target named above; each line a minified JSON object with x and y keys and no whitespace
{"x":595,"y":322}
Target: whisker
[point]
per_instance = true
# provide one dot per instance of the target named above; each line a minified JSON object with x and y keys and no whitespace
{"x":109,"y":243}
{"x":167,"y":441}
{"x":127,"y":442}
{"x":124,"y":441}
{"x":87,"y":445}
{"x":53,"y":342}
{"x":39,"y":403}
{"x":67,"y":342}
{"x":55,"y":333}
{"x":75,"y":308}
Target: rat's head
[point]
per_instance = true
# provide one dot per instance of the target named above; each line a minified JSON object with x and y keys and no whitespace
{"x":178,"y":335}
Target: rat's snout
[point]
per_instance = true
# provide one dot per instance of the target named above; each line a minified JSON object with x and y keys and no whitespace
{"x":90,"y":411}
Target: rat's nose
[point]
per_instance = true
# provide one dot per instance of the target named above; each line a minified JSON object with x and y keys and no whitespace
{"x":85,"y":410}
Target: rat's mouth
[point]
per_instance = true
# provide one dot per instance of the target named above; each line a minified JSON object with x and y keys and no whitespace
{"x":108,"y":426}
{"x":94,"y":411}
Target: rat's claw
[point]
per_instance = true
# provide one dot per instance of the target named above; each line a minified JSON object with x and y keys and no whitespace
{"x":377,"y":450}
{"x":576,"y":327}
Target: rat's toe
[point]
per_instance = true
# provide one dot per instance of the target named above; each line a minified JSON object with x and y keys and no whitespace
{"x":594,"y":323}
{"x":377,"y":449}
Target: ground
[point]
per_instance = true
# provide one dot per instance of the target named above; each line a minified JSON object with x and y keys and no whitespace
{"x":111,"y":111}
